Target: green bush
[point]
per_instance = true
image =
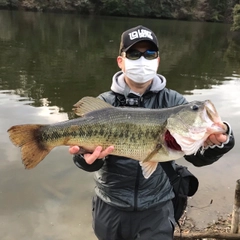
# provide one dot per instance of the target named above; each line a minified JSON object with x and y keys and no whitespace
{"x":236,"y":18}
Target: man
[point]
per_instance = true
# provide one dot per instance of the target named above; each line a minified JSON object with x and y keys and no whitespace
{"x":127,"y":206}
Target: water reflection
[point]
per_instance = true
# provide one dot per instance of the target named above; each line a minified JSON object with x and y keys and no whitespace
{"x":64,"y":57}
{"x":37,"y":202}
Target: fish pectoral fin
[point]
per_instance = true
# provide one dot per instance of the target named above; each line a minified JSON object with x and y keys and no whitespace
{"x":155,"y":151}
{"x":89,"y":104}
{"x":148,"y":168}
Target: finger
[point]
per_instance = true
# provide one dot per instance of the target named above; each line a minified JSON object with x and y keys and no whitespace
{"x":212,"y":138}
{"x":74,"y":149}
{"x":218,"y":139}
{"x":90,"y":158}
{"x":106,"y":152}
{"x":208,"y":143}
{"x":221,"y":138}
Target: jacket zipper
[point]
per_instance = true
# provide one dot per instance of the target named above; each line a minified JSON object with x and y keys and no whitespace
{"x":140,"y":103}
{"x":136,"y":188}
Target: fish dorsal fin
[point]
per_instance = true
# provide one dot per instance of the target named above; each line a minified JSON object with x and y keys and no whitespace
{"x":148,"y":168}
{"x":89,"y":104}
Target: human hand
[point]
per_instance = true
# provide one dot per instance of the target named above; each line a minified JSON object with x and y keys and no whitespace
{"x":217,"y":138}
{"x":90,"y":158}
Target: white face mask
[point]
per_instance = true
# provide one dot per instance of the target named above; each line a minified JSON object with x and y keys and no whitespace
{"x":141,"y":70}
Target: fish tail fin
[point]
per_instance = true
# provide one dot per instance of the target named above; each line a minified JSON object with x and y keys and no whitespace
{"x":25,"y":137}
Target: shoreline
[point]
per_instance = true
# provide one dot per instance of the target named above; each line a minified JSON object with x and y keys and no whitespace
{"x":220,"y":228}
{"x":201,"y":11}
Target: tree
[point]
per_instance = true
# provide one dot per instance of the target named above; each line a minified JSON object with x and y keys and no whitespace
{"x":236,"y":18}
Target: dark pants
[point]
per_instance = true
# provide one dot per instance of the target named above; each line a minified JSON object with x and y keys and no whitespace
{"x":110,"y":223}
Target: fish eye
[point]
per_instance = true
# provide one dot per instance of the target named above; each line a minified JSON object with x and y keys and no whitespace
{"x":195,"y":107}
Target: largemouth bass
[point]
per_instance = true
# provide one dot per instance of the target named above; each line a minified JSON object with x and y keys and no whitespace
{"x":147,"y":135}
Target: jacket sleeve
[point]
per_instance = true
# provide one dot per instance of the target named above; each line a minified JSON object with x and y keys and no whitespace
{"x":80,"y":162}
{"x":209,"y":155}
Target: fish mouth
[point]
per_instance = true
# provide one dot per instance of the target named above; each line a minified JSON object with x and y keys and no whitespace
{"x":212,"y":118}
{"x":211,"y":111}
{"x":191,"y":137}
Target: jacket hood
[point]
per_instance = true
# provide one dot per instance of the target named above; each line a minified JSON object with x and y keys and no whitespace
{"x":119,"y":85}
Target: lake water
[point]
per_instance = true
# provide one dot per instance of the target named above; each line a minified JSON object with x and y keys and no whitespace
{"x":49,"y":61}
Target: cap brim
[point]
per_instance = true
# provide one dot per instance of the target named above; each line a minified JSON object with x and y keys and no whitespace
{"x":140,"y":40}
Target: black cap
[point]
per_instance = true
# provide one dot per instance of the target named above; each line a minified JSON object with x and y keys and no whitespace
{"x":135,"y":35}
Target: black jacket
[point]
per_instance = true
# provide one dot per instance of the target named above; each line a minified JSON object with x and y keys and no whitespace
{"x":119,"y":180}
